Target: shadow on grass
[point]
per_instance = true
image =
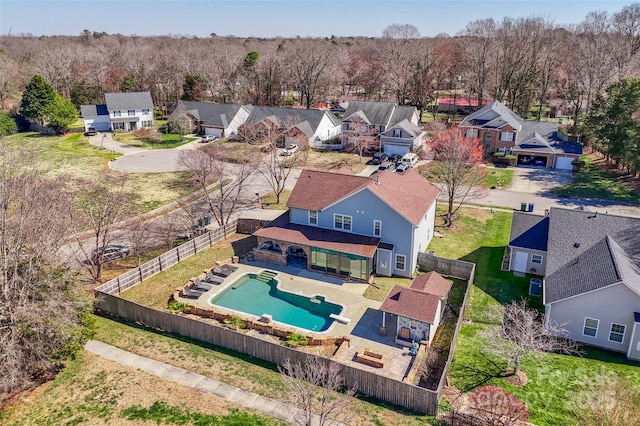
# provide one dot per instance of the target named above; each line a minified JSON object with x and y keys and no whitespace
{"x":606,"y":356}
{"x":480,"y":373}
{"x":244,"y":245}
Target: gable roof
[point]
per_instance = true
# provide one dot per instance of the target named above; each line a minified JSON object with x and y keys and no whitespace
{"x":128,"y":100}
{"x":408,"y":193}
{"x":529,"y":231}
{"x":290,"y":117}
{"x":211,"y":114}
{"x":588,"y":251}
{"x":420,"y":300}
{"x":407,"y":127}
{"x":380,"y":113}
{"x":93,"y":110}
{"x":495,"y":115}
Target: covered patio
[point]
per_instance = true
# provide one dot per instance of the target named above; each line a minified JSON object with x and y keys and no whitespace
{"x":324,"y":250}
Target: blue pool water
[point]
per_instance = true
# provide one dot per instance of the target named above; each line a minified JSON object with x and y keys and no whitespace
{"x":259,"y":295}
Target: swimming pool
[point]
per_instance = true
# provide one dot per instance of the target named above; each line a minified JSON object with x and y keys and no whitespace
{"x":259,"y":294}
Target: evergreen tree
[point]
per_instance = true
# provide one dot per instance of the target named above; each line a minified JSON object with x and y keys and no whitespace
{"x":62,"y":114}
{"x":37,"y":99}
{"x":8,"y":125}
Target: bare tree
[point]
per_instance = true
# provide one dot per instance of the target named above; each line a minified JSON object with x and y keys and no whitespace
{"x":222,"y":185}
{"x":100,"y":208}
{"x":457,"y":163}
{"x":316,"y":391}
{"x":42,"y":307}
{"x":361,"y":136}
{"x":399,"y":51}
{"x":310,"y":68}
{"x":479,"y":53}
{"x":524,"y":334}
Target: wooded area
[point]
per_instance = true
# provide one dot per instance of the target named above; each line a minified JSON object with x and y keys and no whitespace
{"x":528,"y":63}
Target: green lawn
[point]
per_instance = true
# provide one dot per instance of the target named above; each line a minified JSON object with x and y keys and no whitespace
{"x":595,"y":182}
{"x":554,"y":381}
{"x":169,"y":140}
{"x":495,"y":177}
{"x":269,"y":200}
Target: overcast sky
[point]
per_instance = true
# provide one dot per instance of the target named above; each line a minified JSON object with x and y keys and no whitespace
{"x":268,"y":18}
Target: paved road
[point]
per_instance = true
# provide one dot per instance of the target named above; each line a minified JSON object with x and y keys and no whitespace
{"x":202,"y":383}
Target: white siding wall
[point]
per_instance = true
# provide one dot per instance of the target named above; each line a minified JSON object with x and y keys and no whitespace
{"x":327,"y":130}
{"x":422,"y":235}
{"x":237,"y":121}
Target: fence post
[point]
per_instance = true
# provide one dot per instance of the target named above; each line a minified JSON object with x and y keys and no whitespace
{"x":160,"y":262}
{"x":118,"y":281}
{"x":178,"y":253}
{"x":140,"y":273}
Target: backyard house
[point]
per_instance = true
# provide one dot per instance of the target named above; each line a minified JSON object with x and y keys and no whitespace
{"x":354,"y":226}
{"x":419,"y":308}
{"x":367,"y":122}
{"x":317,"y":128}
{"x":591,"y":280}
{"x":121,"y":111}
{"x":534,"y":143}
{"x":219,"y":120}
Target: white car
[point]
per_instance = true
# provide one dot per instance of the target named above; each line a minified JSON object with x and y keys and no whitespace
{"x":207,"y":138}
{"x":290,"y":149}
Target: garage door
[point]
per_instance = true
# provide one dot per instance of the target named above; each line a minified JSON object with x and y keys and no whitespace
{"x":520,"y":261}
{"x":213,"y":132}
{"x":395,"y":149}
{"x":564,"y":163}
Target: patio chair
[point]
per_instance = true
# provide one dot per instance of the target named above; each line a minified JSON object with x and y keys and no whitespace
{"x":199,"y":285}
{"x":222,"y":271}
{"x":190,"y":293}
{"x":213,"y":278}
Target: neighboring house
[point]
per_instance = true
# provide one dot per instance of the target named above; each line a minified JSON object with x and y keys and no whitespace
{"x":402,"y":138}
{"x":121,"y":111}
{"x":419,"y":308}
{"x":460,"y":105}
{"x":353,"y":226}
{"x":535,"y":143}
{"x":209,"y":118}
{"x":367,"y":121}
{"x":591,"y":283}
{"x":316,"y":127}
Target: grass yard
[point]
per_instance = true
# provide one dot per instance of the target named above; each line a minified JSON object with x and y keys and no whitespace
{"x":269,"y":200}
{"x":383,"y":285}
{"x":555,"y":382}
{"x":332,"y":161}
{"x":169,"y":140}
{"x":596,"y":181}
{"x":496,"y":176}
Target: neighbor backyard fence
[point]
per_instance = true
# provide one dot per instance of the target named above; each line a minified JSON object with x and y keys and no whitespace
{"x":166,"y":260}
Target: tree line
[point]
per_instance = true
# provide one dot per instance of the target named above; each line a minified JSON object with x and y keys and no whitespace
{"x":524,"y":62}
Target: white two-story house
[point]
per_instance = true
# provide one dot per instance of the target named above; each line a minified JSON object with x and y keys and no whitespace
{"x":121,"y":111}
{"x":353,"y":226}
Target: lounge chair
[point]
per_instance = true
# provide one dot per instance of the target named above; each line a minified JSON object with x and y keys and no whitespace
{"x":221,"y":271}
{"x":199,"y":285}
{"x":190,"y":293}
{"x":213,"y":278}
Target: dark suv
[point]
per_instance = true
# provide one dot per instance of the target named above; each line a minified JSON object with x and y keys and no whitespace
{"x":379,"y":158}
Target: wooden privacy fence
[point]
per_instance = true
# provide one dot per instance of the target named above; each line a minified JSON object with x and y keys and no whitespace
{"x":444,"y":266}
{"x":165,"y":260}
{"x":394,"y":391}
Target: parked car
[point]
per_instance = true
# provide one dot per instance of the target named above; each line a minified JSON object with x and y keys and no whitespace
{"x":395,"y":158}
{"x":91,"y":131}
{"x":207,"y":138}
{"x":410,"y":159}
{"x":290,"y":149}
{"x":402,"y":167}
{"x":387,"y":165}
{"x":379,"y":158}
{"x":110,"y":252}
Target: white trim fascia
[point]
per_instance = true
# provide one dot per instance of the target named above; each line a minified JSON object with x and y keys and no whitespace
{"x":633,"y":336}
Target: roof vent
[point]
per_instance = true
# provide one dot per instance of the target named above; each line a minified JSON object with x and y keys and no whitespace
{"x":576,"y":245}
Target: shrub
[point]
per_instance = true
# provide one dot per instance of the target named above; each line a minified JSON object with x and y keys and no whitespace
{"x":148,"y":135}
{"x":296,"y":339}
{"x":497,"y":407}
{"x":235,"y":322}
{"x":175,"y":306}
{"x":8,"y":125}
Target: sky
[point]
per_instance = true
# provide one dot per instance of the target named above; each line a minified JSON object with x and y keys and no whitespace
{"x":274,"y":18}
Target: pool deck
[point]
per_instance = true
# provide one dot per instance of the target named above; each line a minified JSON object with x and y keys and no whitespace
{"x":366,"y":319}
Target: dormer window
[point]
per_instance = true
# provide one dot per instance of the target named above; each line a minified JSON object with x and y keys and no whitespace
{"x":397,"y":133}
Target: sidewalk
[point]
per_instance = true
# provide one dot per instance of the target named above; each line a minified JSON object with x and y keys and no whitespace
{"x":184,"y":377}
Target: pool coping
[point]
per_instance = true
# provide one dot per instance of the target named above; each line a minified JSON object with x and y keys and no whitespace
{"x":278,"y":286}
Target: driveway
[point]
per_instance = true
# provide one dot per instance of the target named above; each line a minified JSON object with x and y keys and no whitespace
{"x":538,"y":181}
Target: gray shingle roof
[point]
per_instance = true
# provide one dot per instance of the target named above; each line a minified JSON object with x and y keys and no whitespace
{"x":290,"y":116}
{"x":496,"y":114}
{"x":211,"y":114}
{"x":545,"y":129}
{"x":93,"y":110}
{"x":407,"y":126}
{"x":128,"y":100}
{"x":589,"y":250}
{"x":380,"y":113}
{"x":529,"y":231}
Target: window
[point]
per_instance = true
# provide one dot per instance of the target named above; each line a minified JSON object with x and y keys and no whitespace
{"x":313,"y":217}
{"x":342,"y":222}
{"x":413,"y":325}
{"x":506,"y":136}
{"x":377,"y":228}
{"x":131,"y":112}
{"x":117,"y":113}
{"x":590,"y":327}
{"x":400,"y":261}
{"x":397,"y":133}
{"x":536,"y":258}
{"x":472,"y":133}
{"x":488,"y":135}
{"x":118,"y":126}
{"x":146,"y":111}
{"x":617,"y":333}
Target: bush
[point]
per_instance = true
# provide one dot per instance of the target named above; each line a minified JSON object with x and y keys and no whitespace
{"x":148,"y":135}
{"x":8,"y":125}
{"x":175,"y":306}
{"x":497,"y":407}
{"x":296,"y":339}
